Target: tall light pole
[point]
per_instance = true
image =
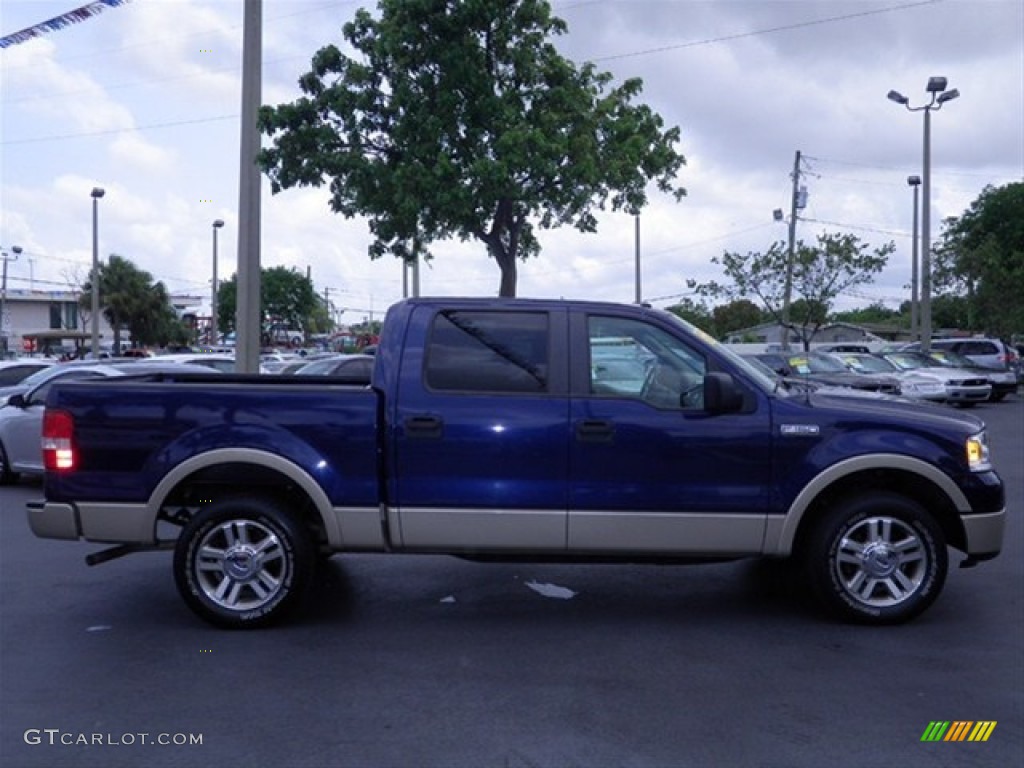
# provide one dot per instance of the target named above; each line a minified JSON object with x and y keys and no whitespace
{"x":16,"y":250}
{"x":939,"y":96}
{"x":915,"y":331}
{"x":214,"y":325}
{"x":639,"y":292}
{"x":96,"y":194}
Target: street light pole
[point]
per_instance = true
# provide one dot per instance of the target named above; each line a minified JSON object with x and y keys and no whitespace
{"x":214,"y":325}
{"x":915,"y":331}
{"x":96,"y":194}
{"x":939,"y":96}
{"x":16,"y":249}
{"x":639,"y":291}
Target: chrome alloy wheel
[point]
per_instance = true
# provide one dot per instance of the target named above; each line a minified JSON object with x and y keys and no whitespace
{"x":241,"y":565}
{"x":881,"y":561}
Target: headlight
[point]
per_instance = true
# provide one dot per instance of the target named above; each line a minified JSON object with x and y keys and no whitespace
{"x":977,"y":453}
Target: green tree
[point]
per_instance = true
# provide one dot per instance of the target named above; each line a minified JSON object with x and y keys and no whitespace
{"x":695,"y":313}
{"x":460,"y":119}
{"x":820,"y":273}
{"x":981,"y":257}
{"x":286,"y":297}
{"x":949,"y":311}
{"x":130,"y":301}
{"x":876,"y":314}
{"x":736,"y":315}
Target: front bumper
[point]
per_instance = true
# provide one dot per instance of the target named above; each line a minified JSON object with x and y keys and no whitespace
{"x":968,"y":394}
{"x":983,"y":534}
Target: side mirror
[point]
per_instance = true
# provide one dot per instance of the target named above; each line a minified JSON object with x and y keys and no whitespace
{"x":17,"y":400}
{"x":721,"y":395}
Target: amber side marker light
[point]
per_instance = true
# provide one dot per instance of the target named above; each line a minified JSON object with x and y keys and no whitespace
{"x":58,"y":435}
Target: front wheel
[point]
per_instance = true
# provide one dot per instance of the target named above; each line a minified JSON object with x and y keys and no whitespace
{"x":879,"y":558}
{"x":243,"y":562}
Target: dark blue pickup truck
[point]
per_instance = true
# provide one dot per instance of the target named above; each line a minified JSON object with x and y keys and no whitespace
{"x":527,"y":430}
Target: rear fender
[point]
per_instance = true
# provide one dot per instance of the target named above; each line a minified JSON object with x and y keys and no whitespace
{"x":255,"y":457}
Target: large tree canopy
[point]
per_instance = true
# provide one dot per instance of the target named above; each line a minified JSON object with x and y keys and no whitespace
{"x":981,"y":258}
{"x":286,"y":298}
{"x":820,"y":273}
{"x":460,"y":119}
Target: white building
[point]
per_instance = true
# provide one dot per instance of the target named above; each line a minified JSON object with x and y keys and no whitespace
{"x":28,"y":313}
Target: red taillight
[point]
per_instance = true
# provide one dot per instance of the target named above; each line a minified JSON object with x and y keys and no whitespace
{"x":58,"y":434}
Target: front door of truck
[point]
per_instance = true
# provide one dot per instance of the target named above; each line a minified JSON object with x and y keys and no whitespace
{"x":649,"y":469}
{"x":479,"y":432}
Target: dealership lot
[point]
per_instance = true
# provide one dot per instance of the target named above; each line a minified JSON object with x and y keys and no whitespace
{"x":431,"y":661}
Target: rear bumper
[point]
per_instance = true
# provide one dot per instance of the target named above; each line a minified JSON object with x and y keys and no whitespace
{"x":114,"y":523}
{"x":53,"y":521}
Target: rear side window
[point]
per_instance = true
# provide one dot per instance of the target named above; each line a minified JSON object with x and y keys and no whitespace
{"x":488,"y":351}
{"x":978,"y":348}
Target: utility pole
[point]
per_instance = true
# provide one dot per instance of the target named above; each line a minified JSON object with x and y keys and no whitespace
{"x":3,"y":299}
{"x":787,"y":295}
{"x":636,"y":235}
{"x":248,"y":313}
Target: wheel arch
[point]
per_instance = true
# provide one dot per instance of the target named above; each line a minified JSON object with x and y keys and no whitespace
{"x":233,"y":467}
{"x":905,"y":475}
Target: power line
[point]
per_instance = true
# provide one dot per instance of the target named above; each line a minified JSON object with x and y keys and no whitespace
{"x":769,"y":30}
{"x":893,"y":233}
{"x":112,"y":131}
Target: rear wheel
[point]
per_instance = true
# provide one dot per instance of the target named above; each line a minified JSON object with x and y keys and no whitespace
{"x":7,"y":476}
{"x":879,"y":558}
{"x":243,"y":562}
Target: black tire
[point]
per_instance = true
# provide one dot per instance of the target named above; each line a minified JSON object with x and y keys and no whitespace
{"x":878,"y":558}
{"x":243,"y":562}
{"x":7,"y":477}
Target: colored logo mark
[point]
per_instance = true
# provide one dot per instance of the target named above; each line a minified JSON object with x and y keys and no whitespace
{"x":958,"y":730}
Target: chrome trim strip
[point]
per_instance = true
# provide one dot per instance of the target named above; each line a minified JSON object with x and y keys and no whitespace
{"x":480,"y":530}
{"x":362,"y":527}
{"x":701,"y":533}
{"x":111,"y":522}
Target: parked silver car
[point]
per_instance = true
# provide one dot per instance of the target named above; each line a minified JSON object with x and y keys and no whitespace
{"x":1003,"y":380}
{"x":964,"y":388}
{"x":21,"y":417}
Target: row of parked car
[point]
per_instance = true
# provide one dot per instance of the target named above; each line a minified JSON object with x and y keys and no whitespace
{"x":943,"y":375}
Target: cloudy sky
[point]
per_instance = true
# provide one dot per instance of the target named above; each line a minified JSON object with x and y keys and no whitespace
{"x":144,"y":101}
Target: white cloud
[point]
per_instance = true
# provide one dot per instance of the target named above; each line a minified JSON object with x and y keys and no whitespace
{"x":744,"y":104}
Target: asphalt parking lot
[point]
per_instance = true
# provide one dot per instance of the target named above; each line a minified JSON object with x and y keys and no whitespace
{"x":431,"y":661}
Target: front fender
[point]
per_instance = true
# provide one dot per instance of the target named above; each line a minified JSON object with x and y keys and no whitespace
{"x":781,"y":532}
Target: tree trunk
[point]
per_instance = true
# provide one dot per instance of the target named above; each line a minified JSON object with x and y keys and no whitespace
{"x":507,"y":264}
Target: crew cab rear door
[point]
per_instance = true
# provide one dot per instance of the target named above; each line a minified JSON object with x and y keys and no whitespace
{"x":650,"y":470}
{"x":478,"y":434}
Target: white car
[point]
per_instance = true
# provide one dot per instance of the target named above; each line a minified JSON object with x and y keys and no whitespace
{"x":961,"y":387}
{"x":225,"y":363}
{"x":12,"y":372}
{"x":21,"y":417}
{"x":914,"y":384}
